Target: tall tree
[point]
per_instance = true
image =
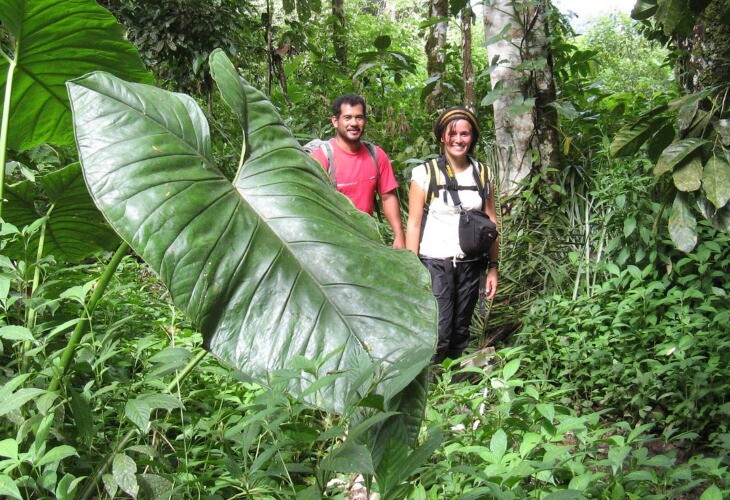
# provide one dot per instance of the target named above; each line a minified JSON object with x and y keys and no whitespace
{"x":523,"y":88}
{"x":467,"y":68}
{"x":435,"y":56}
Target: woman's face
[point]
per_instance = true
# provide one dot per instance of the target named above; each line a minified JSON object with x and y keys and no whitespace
{"x":457,"y":139}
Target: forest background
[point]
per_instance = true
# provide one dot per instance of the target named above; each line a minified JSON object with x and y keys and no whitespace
{"x":600,"y":370}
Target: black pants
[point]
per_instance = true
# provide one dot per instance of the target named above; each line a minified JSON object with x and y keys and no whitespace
{"x":456,"y":288}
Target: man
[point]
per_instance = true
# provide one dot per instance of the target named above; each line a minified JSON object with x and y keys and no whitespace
{"x":356,"y":175}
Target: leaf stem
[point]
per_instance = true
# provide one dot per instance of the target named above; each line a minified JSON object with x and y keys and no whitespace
{"x":4,"y":127}
{"x":97,"y":475}
{"x":88,"y":311}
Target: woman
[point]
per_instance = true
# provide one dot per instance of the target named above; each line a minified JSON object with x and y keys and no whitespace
{"x":432,"y":230}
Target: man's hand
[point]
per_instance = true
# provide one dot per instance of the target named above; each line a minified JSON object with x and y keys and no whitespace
{"x":399,"y":242}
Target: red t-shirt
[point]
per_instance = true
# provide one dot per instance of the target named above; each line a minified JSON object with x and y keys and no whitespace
{"x":355,"y":174}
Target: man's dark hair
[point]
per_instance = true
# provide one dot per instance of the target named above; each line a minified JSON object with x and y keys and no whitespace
{"x":352,"y":100}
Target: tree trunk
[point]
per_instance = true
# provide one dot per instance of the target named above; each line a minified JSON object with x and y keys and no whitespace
{"x":705,"y":60}
{"x":339,"y":40}
{"x":435,"y":56}
{"x":467,"y":68}
{"x":525,"y":124}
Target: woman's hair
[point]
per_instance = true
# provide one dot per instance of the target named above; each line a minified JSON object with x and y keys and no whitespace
{"x":453,"y":114}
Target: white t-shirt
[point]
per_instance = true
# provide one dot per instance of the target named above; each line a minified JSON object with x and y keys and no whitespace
{"x":441,"y":233}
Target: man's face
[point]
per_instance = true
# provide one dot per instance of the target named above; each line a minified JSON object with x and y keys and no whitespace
{"x":350,"y":125}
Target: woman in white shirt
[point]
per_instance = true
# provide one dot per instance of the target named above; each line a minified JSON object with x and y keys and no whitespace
{"x":432,"y":231}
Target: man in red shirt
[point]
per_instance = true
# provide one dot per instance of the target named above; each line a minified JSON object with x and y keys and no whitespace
{"x":357,"y":177}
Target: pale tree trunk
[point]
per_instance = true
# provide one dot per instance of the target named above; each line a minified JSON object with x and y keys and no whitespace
{"x":339,"y":39}
{"x":467,"y":68}
{"x":435,"y":56}
{"x":522,"y":130}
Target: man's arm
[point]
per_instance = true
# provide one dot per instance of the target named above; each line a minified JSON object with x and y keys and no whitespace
{"x":391,"y":209}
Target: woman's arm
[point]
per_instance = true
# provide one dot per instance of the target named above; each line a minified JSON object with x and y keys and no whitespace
{"x":493,"y":271}
{"x":416,"y":200}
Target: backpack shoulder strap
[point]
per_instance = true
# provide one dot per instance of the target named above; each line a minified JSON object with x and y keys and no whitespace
{"x":374,"y":155}
{"x":482,"y":176}
{"x":432,"y":176}
{"x":330,"y":154}
{"x":373,"y":152}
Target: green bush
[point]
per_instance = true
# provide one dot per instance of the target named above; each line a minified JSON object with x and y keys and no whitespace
{"x":650,"y":343}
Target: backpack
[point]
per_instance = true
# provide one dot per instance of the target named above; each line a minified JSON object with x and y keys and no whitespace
{"x":476,"y":231}
{"x":326,"y":147}
{"x":434,"y":167}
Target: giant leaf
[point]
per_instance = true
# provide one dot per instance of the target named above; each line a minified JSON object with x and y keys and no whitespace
{"x":74,"y":230}
{"x":55,"y":41}
{"x":273,"y":268}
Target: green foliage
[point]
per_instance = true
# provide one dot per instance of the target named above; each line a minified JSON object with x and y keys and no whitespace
{"x":647,"y":343}
{"x":74,"y":227}
{"x":176,"y":37}
{"x":69,"y":39}
{"x":696,"y":157}
{"x":509,"y":435}
{"x":625,"y":62}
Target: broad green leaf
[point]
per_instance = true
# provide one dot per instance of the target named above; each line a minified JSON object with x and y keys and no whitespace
{"x":18,"y":399}
{"x":682,"y":225}
{"x":66,"y":488}
{"x":57,"y":454}
{"x":716,"y":180}
{"x":9,"y":448}
{"x":510,"y":369}
{"x":276,"y":266}
{"x":498,"y":444}
{"x":74,"y":229}
{"x":676,"y":153}
{"x":688,"y":177}
{"x":712,"y":493}
{"x":110,"y":484}
{"x":15,"y":332}
{"x":124,"y":470}
{"x":138,"y":411}
{"x":8,"y":487}
{"x":55,"y":41}
{"x":629,"y":226}
{"x":350,"y":458}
